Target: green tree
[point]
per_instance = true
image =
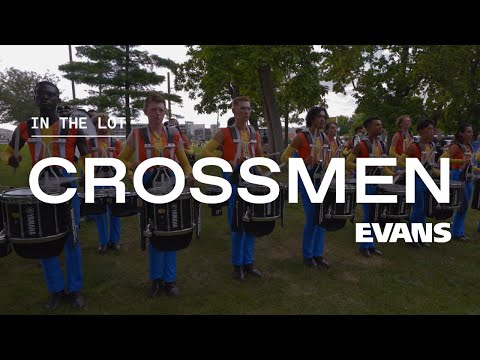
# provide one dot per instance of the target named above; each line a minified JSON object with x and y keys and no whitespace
{"x":451,"y":84}
{"x":17,"y":90}
{"x":121,"y":76}
{"x":279,"y":80}
{"x":384,"y":79}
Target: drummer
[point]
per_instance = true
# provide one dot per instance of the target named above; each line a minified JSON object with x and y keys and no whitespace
{"x":369,"y":146}
{"x":309,"y":146}
{"x":105,"y":146}
{"x":424,"y":151}
{"x":460,"y":153}
{"x":402,"y":139}
{"x":47,"y":98}
{"x":163,"y":264}
{"x":243,"y":244}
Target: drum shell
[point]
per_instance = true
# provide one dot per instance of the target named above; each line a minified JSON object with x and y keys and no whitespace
{"x":132,"y":205}
{"x":36,"y":230}
{"x":172,"y":223}
{"x":99,"y":207}
{"x":258,"y":219}
{"x":331,"y":215}
{"x":386,"y":212}
{"x":438,"y":211}
{"x":216,"y":208}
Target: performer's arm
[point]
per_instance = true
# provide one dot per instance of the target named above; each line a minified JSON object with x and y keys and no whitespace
{"x":210,"y":149}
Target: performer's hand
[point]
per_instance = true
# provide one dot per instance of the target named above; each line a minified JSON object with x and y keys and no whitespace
{"x":189,"y":180}
{"x":14,"y":161}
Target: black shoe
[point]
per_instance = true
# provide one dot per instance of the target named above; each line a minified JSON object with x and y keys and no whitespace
{"x":365,"y":252}
{"x":113,"y":246}
{"x":170,"y":288}
{"x":464,"y":238}
{"x":309,"y":262}
{"x":424,"y":244}
{"x":250,"y":269}
{"x":238,"y":273}
{"x":77,"y":299}
{"x":102,"y":249}
{"x":321,"y":262}
{"x":374,"y":251}
{"x":154,"y":291}
{"x":414,"y":245}
{"x":461,"y":238}
{"x":55,"y":299}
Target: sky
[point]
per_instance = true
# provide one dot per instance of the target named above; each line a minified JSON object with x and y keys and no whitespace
{"x":43,"y":58}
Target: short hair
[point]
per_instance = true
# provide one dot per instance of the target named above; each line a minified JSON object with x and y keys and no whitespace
{"x":231,"y":121}
{"x":239,"y":99}
{"x":313,"y":113}
{"x":154,"y":97}
{"x":400,"y":119}
{"x":327,"y":126}
{"x":298,"y":130}
{"x":46,"y":82}
{"x":91,"y":110}
{"x":174,"y":121}
{"x":358,"y":128}
{"x":369,"y":120}
{"x":424,"y":124}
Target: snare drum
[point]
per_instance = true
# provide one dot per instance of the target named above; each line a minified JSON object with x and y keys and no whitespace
{"x":132,"y":205}
{"x":444,"y":211}
{"x":258,"y":219}
{"x":170,"y":225}
{"x":332,"y":215}
{"x":391,"y":212}
{"x":5,"y":245}
{"x":37,"y":230}
{"x":99,"y":206}
{"x":216,"y":208}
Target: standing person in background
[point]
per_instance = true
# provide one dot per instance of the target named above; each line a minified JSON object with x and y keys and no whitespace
{"x":460,"y":153}
{"x":108,"y":147}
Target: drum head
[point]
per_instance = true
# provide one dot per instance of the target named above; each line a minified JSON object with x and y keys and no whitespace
{"x":20,"y":192}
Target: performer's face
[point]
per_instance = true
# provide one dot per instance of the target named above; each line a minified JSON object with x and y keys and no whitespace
{"x":46,"y":97}
{"x":406,"y":122}
{"x":155,"y":112}
{"x":242,"y":111}
{"x":375,"y":128}
{"x":428,"y":132}
{"x":332,"y":130}
{"x":468,"y":135}
{"x":319,"y":120}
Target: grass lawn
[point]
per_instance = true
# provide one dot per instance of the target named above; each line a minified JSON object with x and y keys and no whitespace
{"x":442,"y":279}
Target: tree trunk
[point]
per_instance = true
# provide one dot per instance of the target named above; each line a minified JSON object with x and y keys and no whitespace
{"x":285,"y":143}
{"x":127,"y":94}
{"x":271,"y":114}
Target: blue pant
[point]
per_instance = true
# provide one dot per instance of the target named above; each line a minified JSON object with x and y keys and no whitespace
{"x":418,"y":208}
{"x":73,"y":259}
{"x":102,"y":228}
{"x":243,"y":245}
{"x":371,"y":189}
{"x":313,"y":235}
{"x":458,"y":227}
{"x":163,"y":264}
